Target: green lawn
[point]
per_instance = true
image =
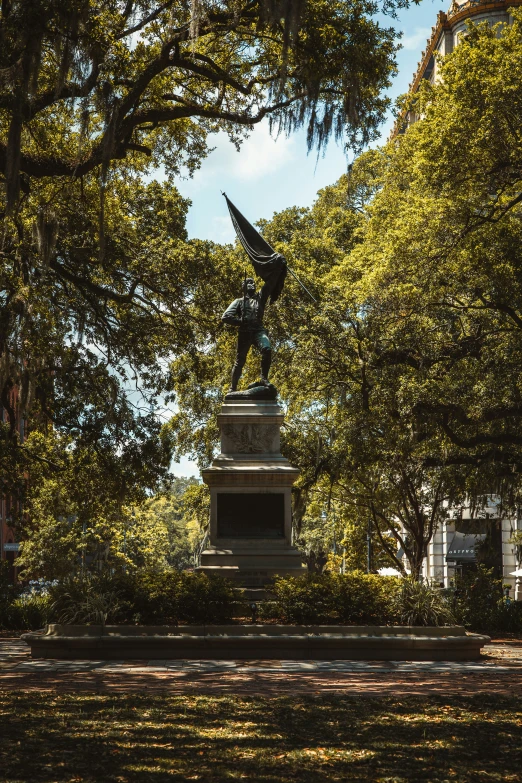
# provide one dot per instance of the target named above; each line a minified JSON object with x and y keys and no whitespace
{"x":93,"y":737}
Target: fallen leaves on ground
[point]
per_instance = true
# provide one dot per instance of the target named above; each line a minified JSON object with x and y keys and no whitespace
{"x":135,"y":738}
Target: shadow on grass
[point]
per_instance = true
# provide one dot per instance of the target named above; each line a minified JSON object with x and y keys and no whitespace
{"x":132,"y":738}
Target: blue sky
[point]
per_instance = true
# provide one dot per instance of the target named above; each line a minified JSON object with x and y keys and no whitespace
{"x":269,"y":175}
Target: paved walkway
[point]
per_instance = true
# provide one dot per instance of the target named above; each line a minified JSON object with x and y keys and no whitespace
{"x":498,"y":671}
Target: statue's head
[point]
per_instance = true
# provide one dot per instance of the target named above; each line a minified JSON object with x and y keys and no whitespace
{"x":249,"y":286}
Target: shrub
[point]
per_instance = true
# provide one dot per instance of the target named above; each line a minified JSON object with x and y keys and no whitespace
{"x":419,"y":604}
{"x":145,"y":597}
{"x":308,"y":599}
{"x":29,"y":612}
{"x":19,"y":610}
{"x":204,"y":599}
{"x":84,"y":600}
{"x":357,"y":599}
{"x":152,"y":598}
{"x":480,"y":605}
{"x":8,"y":593}
{"x":365,"y":599}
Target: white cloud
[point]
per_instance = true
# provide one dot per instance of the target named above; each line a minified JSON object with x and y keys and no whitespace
{"x":416,"y":40}
{"x":259,"y":156}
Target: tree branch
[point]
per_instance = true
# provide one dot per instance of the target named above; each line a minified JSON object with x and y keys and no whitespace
{"x":143,"y":22}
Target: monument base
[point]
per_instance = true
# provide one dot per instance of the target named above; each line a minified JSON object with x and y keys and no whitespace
{"x":252,"y":567}
{"x":256,"y":642}
{"x":250,"y":497}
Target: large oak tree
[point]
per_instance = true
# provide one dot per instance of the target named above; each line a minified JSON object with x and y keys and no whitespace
{"x":96,"y":272}
{"x":97,"y":279}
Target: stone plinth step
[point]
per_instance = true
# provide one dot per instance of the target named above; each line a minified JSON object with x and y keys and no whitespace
{"x":254,"y":560}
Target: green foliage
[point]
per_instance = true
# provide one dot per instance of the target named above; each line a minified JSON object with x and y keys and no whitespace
{"x":366,"y":599}
{"x":95,"y":97}
{"x":203,"y":599}
{"x":419,"y":604}
{"x":183,"y":511}
{"x":8,"y":593}
{"x":31,"y":611}
{"x":404,"y":385}
{"x":74,"y":528}
{"x":357,"y":599}
{"x":145,"y":597}
{"x":479,"y":603}
{"x":84,"y":601}
{"x":304,"y":600}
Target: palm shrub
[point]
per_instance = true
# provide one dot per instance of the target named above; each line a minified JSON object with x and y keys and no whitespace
{"x":416,"y":603}
{"x":85,"y":600}
{"x":19,"y":610}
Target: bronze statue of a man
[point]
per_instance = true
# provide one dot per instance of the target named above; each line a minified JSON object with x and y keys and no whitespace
{"x":247,"y":313}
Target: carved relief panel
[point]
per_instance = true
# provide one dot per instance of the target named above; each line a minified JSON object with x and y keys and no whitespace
{"x":250,"y":438}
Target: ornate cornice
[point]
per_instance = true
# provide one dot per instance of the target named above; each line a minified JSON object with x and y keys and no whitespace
{"x":446,"y":22}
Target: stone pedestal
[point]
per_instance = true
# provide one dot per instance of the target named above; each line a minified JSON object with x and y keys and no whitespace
{"x":250,"y":497}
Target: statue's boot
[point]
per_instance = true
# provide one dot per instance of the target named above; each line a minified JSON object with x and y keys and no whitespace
{"x":266,"y":361}
{"x":234,"y":380}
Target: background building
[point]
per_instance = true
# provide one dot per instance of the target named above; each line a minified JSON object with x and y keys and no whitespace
{"x":475,"y":534}
{"x":445,"y":36}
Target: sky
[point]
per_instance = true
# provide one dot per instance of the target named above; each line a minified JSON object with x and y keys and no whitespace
{"x":270,"y":174}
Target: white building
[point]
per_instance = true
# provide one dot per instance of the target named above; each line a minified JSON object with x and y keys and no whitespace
{"x":475,"y":534}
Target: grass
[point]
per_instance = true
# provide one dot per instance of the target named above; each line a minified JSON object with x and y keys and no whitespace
{"x":130,"y":738}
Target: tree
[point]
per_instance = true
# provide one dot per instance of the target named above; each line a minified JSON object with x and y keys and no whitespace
{"x":93,"y":97}
{"x":414,"y":362}
{"x":184,"y":510}
{"x":440,"y":264}
{"x":74,"y":526}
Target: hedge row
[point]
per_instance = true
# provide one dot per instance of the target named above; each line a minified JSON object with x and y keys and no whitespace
{"x":356,"y":599}
{"x":170,"y":597}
